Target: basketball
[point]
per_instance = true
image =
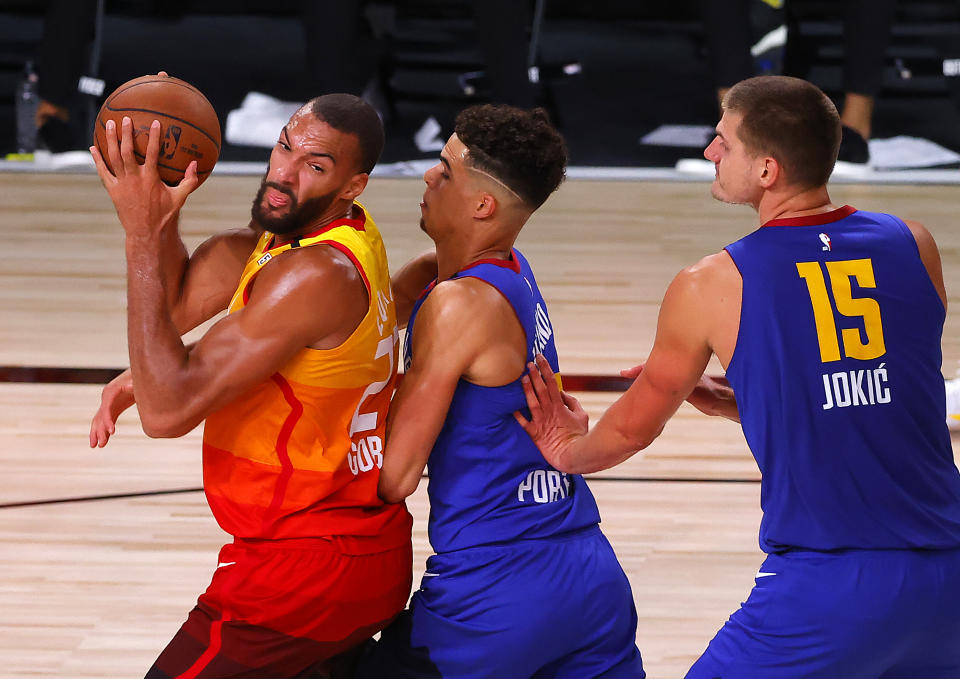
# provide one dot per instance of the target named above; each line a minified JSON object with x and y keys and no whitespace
{"x":189,"y":128}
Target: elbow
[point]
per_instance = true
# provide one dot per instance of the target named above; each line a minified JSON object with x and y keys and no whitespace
{"x":162,"y":426}
{"x":396,"y":492}
{"x":643,"y":440}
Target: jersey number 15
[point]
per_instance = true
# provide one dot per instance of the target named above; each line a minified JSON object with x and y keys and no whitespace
{"x":866,"y":308}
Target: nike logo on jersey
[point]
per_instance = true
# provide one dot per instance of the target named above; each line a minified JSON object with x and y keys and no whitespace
{"x":761,"y":574}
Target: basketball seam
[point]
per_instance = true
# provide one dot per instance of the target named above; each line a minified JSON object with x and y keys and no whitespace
{"x":171,"y":81}
{"x":109,"y":106}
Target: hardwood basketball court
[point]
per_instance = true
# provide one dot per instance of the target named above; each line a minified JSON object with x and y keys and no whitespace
{"x":105,"y":551}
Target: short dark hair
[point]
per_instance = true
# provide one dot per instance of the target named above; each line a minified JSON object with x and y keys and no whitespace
{"x":352,"y":115}
{"x":520,"y":148}
{"x":793,"y":121}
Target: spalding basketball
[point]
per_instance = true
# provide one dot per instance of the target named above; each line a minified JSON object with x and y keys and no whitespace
{"x":189,"y":128}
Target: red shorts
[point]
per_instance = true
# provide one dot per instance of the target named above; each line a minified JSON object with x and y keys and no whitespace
{"x":277,"y":609}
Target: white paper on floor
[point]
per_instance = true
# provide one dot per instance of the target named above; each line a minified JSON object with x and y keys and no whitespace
{"x":901,"y":153}
{"x":693,"y":136}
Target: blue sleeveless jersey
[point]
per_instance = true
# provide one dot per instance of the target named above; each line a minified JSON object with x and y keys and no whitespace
{"x":488,"y":481}
{"x":838,"y":384}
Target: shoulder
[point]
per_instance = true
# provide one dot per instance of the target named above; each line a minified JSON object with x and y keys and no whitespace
{"x":462,"y":299}
{"x":466,"y":307}
{"x":921,"y":234}
{"x":235,"y":243}
{"x":713,"y":270}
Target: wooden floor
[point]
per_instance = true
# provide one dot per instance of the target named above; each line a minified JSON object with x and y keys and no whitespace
{"x":96,"y":588}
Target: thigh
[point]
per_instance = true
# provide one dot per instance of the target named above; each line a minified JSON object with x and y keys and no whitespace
{"x":277,"y":612}
{"x":931,"y":619}
{"x":787,"y":628}
{"x":855,"y":615}
{"x":539,"y":608}
{"x":603,"y":638}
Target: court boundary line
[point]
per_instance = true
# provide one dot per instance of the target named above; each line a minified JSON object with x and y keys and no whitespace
{"x":78,"y":375}
{"x":176,"y":491}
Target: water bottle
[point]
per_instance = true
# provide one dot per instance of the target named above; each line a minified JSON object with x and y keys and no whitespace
{"x":26,"y":105}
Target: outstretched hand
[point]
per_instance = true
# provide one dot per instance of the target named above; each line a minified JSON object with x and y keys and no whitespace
{"x":557,"y":420}
{"x":143,"y":202}
{"x":117,"y":396}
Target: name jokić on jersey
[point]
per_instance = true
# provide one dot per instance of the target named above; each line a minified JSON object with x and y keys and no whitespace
{"x":856,"y":388}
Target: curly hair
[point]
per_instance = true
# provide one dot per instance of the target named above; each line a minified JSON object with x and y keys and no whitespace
{"x":520,"y":148}
{"x":352,"y":115}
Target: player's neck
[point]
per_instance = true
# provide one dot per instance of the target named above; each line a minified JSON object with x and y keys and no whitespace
{"x":784,"y":205}
{"x":453,"y":257}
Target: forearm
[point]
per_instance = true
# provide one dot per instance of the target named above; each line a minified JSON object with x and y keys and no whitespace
{"x":415,"y":419}
{"x":613,"y":439}
{"x":158,"y":357}
{"x":405,"y":456}
{"x":174,"y":259}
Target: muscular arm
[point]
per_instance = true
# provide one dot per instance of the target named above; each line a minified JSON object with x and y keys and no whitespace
{"x":299,"y":299}
{"x":208,"y":278}
{"x":409,"y":282}
{"x":462,"y":331}
{"x":203,"y":288}
{"x":680,"y":354}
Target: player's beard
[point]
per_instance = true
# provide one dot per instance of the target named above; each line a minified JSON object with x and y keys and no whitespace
{"x":297,"y":216}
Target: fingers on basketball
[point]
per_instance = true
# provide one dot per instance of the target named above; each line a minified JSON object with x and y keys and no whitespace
{"x":189,"y":127}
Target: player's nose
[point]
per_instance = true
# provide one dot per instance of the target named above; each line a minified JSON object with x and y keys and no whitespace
{"x":710,"y":153}
{"x":430,"y":175}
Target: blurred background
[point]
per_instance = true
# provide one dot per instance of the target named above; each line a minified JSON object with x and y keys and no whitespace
{"x":630,"y":83}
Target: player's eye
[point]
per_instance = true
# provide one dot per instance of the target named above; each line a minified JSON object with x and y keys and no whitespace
{"x":317,"y":168}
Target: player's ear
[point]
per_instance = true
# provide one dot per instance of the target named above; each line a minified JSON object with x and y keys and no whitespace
{"x":769,"y":170}
{"x":485,"y":205}
{"x":355,"y":186}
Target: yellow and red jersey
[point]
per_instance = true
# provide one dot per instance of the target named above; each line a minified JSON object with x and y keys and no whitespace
{"x":299,"y":455}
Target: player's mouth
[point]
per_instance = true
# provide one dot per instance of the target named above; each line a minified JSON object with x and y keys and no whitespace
{"x":277,"y":198}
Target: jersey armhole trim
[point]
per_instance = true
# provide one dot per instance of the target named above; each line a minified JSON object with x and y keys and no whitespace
{"x":731,"y":366}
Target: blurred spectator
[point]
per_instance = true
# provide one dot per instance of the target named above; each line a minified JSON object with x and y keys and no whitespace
{"x":867,"y":26}
{"x":64,"y":56}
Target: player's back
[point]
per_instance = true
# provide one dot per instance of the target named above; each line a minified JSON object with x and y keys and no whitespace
{"x":488,"y":481}
{"x":837,"y":376}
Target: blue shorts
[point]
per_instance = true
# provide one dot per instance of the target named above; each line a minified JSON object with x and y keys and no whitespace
{"x":855,"y":614}
{"x":557,"y":607}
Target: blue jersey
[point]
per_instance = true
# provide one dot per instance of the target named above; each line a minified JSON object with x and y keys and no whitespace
{"x":837,"y":377}
{"x":488,"y":481}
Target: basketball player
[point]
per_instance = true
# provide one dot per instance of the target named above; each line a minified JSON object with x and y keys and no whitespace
{"x":827,"y":320}
{"x":293,"y":385}
{"x":523,"y":583}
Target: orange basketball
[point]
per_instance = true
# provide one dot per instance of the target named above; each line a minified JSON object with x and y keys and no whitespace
{"x":189,"y":128}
